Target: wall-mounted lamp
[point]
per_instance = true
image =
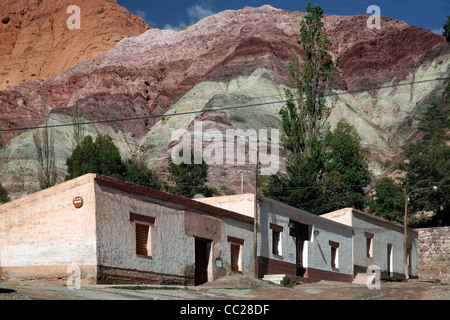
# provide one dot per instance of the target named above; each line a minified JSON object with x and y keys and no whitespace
{"x":316,"y":232}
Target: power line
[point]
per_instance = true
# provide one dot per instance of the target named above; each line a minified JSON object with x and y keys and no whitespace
{"x":218,"y":109}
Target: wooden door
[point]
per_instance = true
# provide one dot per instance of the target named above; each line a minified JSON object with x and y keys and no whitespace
{"x":201,"y":261}
{"x":301,"y":234}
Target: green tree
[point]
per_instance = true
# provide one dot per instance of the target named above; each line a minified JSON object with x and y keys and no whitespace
{"x":4,"y":198}
{"x":45,"y":156}
{"x":103,"y":157}
{"x":301,"y":186}
{"x":446,"y":32}
{"x":332,"y":177}
{"x":45,"y":152}
{"x":100,"y":156}
{"x":346,"y":169}
{"x":189,"y":178}
{"x":427,"y":163}
{"x":138,"y":173}
{"x":77,"y":120}
{"x":389,"y":200}
{"x":306,"y":111}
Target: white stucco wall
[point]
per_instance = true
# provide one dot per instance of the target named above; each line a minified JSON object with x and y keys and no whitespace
{"x":240,"y":203}
{"x":384,"y":233}
{"x":173,"y":250}
{"x":42,"y":234}
{"x":116,"y":246}
{"x":317,"y":251}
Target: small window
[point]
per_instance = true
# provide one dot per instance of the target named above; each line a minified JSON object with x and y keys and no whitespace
{"x":235,"y":248}
{"x":369,"y":248}
{"x":369,"y":244}
{"x":142,"y":239}
{"x":276,"y":238}
{"x":334,"y":254}
{"x":276,"y":243}
{"x":142,"y":225}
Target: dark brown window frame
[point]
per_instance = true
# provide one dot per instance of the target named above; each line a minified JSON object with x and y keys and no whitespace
{"x":143,"y":221}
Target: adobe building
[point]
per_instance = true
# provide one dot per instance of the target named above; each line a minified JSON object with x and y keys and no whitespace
{"x":117,"y":232}
{"x":294,"y":242}
{"x":378,"y":242}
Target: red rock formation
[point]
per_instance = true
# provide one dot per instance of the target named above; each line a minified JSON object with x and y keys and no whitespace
{"x":36,"y":42}
{"x":145,"y":75}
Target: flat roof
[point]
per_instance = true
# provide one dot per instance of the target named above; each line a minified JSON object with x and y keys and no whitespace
{"x":366,"y":214}
{"x":309,"y":214}
{"x":251,"y":197}
{"x":127,"y":186}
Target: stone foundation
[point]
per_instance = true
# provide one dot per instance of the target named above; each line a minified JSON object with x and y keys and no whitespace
{"x":111,"y":275}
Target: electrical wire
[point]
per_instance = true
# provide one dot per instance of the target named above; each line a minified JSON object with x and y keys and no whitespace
{"x":217,"y":109}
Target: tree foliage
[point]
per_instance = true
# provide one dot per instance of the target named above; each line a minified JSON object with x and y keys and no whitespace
{"x":446,"y":28}
{"x":100,"y":156}
{"x":301,"y":186}
{"x":45,"y":156}
{"x":4,"y":198}
{"x":346,"y":169}
{"x":325,"y":170}
{"x":138,"y":173}
{"x":306,"y":111}
{"x":103,"y":157}
{"x":332,"y":177}
{"x":389,"y":200}
{"x":426,"y":164}
{"x":189,"y":179}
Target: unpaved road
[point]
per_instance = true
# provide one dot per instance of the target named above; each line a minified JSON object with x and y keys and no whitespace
{"x":323,"y":290}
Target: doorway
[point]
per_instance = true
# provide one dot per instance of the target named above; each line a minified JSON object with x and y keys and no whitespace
{"x":301,"y":234}
{"x":390,"y":262}
{"x":202,"y":248}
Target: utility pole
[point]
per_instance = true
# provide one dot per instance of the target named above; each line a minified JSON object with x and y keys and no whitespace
{"x":255,"y":219}
{"x":405,"y":231}
{"x":405,"y":228}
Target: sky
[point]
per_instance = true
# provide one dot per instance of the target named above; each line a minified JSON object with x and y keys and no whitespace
{"x":176,"y":14}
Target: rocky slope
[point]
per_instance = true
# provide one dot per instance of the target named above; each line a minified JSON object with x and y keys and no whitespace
{"x":234,"y":58}
{"x":36,"y":42}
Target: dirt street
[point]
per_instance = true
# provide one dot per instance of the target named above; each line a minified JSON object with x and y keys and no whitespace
{"x":230,"y":288}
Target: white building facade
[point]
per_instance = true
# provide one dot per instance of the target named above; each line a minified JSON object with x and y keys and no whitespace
{"x":378,"y":243}
{"x":295,"y":242}
{"x":109,"y":231}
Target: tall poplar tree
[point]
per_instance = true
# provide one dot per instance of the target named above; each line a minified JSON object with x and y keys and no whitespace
{"x":306,"y":111}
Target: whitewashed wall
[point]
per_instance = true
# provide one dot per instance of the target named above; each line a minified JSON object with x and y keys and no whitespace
{"x":384,"y":233}
{"x":173,"y":250}
{"x":42,"y":234}
{"x":317,"y":251}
